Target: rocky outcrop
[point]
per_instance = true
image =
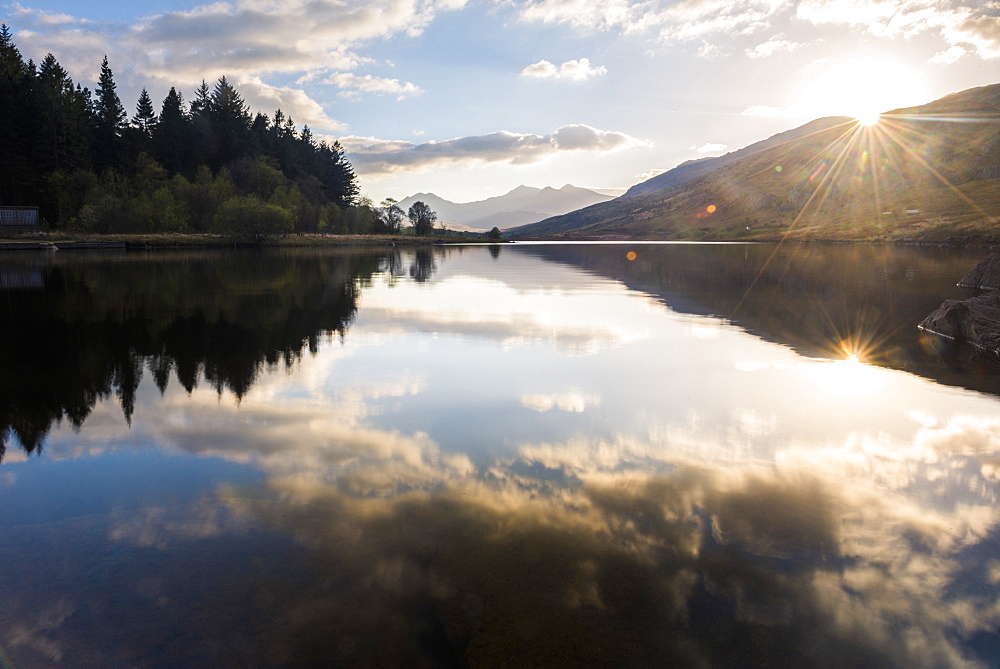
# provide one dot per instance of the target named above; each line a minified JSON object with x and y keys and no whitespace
{"x":974,"y":321}
{"x":985,"y":276}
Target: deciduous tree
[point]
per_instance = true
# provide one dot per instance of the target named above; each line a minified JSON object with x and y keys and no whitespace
{"x":422,"y":217}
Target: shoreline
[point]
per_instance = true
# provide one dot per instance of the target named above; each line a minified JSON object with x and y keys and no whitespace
{"x":52,"y":241}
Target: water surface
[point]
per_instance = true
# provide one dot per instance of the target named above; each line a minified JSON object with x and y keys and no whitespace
{"x":518,"y":455}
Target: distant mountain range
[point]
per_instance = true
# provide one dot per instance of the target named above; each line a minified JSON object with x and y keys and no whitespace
{"x":520,"y":206}
{"x":923,"y":173}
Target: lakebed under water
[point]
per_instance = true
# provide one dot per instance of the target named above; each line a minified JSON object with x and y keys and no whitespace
{"x":522,"y":455}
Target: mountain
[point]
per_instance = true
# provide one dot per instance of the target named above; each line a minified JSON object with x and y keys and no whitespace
{"x":695,"y":168}
{"x":520,"y":206}
{"x":928,"y":172}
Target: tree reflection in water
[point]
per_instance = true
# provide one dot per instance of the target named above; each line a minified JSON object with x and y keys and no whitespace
{"x":99,"y":325}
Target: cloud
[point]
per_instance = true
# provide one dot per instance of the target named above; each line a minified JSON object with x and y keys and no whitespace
{"x":574,"y":401}
{"x":649,"y":174}
{"x":711,"y":148}
{"x":294,"y":102}
{"x":948,"y":56}
{"x":771,"y":47}
{"x":574,"y":70}
{"x":973,"y":25}
{"x":247,"y":40}
{"x":583,"y":13}
{"x":684,"y":20}
{"x":369,"y":84}
{"x":371,"y":156}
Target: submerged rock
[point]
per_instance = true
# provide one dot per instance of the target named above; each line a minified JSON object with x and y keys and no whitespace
{"x":975,"y":321}
{"x":985,"y":276}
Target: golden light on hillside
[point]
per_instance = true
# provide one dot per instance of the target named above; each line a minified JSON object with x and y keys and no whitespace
{"x":876,"y":171}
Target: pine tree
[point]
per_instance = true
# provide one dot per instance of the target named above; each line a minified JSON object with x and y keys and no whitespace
{"x":61,"y":142}
{"x":109,"y":121}
{"x":230,"y":121}
{"x":202,"y":100}
{"x":145,"y":117}
{"x":15,"y":122}
{"x":172,"y":134}
{"x":108,"y":107}
{"x":203,"y":137}
{"x":337,"y":175}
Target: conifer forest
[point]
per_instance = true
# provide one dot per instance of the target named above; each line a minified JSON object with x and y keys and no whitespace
{"x":208,"y":164}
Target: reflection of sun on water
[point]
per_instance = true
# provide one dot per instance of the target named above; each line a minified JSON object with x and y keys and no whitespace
{"x":848,"y":378}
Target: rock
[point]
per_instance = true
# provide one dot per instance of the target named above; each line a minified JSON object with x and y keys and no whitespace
{"x":975,"y":321}
{"x":985,"y":276}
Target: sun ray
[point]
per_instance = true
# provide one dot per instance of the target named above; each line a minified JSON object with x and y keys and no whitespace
{"x":930,"y":168}
{"x":862,"y":161}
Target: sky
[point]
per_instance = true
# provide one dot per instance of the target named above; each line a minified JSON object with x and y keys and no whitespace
{"x":469,"y":99}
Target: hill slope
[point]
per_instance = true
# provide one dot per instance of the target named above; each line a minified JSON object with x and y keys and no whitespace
{"x":695,"y":168}
{"x":522,"y":205}
{"x":923,"y":172}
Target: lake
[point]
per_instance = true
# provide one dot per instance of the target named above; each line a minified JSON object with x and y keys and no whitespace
{"x":517,"y":455}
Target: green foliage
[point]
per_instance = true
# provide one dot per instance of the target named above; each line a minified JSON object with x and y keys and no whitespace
{"x":494,"y":234}
{"x":248,"y":218}
{"x":359,"y":220}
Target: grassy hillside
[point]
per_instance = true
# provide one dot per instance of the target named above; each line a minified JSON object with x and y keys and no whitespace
{"x":923,"y":173}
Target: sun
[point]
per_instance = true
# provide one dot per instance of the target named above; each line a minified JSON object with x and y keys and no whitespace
{"x":867,"y":118}
{"x":862,"y":88}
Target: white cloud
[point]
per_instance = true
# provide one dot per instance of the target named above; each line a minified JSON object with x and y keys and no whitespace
{"x":711,"y":148}
{"x":600,"y":14}
{"x":683,"y":20}
{"x":961,"y":22}
{"x":247,"y":40}
{"x":371,"y":156}
{"x":370,"y":84}
{"x":771,"y":47}
{"x":948,"y":56}
{"x":574,"y":70}
{"x":709,"y":50}
{"x":294,"y":102}
{"x":573,"y":401}
{"x":649,"y":174}
{"x":974,"y":24}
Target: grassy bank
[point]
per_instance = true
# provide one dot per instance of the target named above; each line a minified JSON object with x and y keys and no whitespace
{"x":177,"y":240}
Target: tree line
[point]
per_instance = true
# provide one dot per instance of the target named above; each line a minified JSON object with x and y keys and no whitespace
{"x":208,"y":165}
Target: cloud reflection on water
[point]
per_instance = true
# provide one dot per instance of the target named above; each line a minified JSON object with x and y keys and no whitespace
{"x":741,"y":516}
{"x":620,"y":551}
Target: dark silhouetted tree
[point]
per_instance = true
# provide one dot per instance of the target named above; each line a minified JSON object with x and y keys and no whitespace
{"x":109,"y":121}
{"x":172,"y":134}
{"x":422,"y":217}
{"x":145,"y":115}
{"x":230,"y":122}
{"x":389,"y":217}
{"x":15,"y":117}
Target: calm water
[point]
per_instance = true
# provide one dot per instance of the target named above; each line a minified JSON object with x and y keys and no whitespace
{"x":519,"y":456}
